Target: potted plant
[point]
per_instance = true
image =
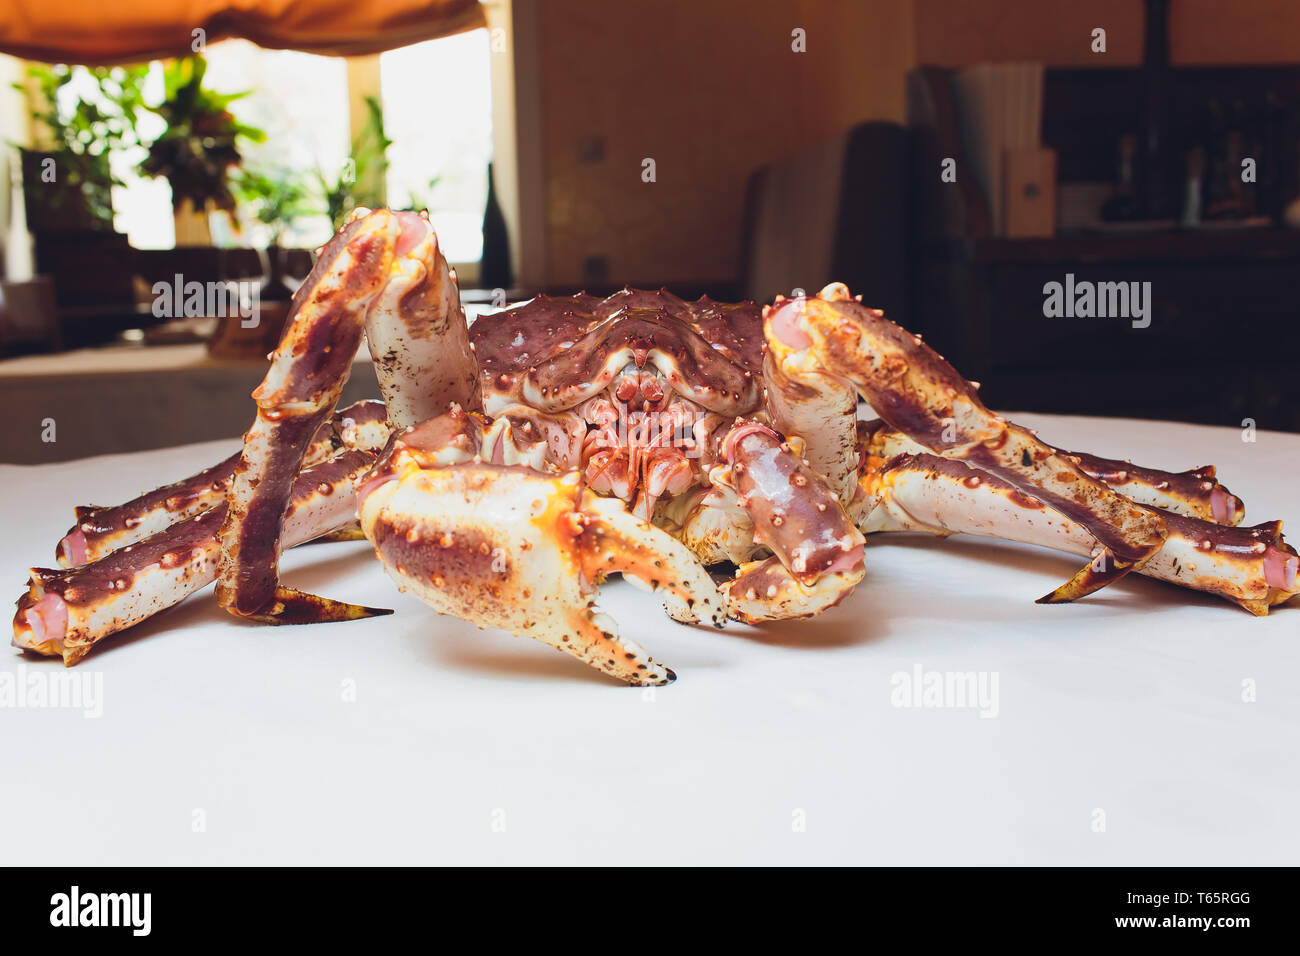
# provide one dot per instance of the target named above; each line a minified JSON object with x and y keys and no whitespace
{"x":68,"y":183}
{"x":361,"y":180}
{"x":198,"y":149}
{"x":277,"y":198}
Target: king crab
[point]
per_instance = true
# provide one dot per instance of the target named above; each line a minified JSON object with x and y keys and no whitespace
{"x":514,"y":464}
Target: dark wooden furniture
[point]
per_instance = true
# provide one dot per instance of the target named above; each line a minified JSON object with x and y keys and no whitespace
{"x":1224,"y":340}
{"x":94,"y":277}
{"x":1223,"y":343}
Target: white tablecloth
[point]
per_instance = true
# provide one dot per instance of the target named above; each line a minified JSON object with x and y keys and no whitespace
{"x":1121,"y":735}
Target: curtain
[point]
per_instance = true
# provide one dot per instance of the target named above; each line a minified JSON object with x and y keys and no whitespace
{"x":101,"y":32}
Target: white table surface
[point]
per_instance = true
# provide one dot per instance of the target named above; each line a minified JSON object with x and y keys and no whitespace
{"x":778,"y":744}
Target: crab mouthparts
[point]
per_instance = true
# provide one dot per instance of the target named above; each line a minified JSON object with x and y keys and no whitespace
{"x":636,"y":387}
{"x":640,"y":440}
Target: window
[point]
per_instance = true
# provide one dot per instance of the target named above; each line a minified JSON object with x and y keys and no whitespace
{"x":437,"y":99}
{"x":298,"y":98}
{"x":142,"y":208}
{"x":437,"y":105}
{"x":301,"y":101}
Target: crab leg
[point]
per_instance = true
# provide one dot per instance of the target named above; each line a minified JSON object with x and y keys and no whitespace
{"x":831,"y":340}
{"x":363,"y":426}
{"x":816,"y":550}
{"x":417,"y":334}
{"x":1196,"y":493}
{"x":512,"y":438}
{"x":382,"y":271}
{"x":100,"y":530}
{"x":509,"y":547}
{"x":1252,"y":567}
{"x":711,"y":522}
{"x":820,"y":409}
{"x":66,"y":612}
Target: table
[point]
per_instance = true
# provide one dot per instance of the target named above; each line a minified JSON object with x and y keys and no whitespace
{"x":115,"y":399}
{"x":136,"y":398}
{"x":222,"y":742}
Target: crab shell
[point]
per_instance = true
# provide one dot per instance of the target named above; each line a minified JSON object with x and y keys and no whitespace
{"x":552,"y":354}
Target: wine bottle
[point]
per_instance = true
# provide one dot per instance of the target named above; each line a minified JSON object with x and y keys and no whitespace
{"x":494,"y":272}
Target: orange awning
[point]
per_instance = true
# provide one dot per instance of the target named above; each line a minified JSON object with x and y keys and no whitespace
{"x":99,"y":32}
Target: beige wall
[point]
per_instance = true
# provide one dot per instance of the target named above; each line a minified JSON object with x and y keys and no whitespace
{"x":710,"y":90}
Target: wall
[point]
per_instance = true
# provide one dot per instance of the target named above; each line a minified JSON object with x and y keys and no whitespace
{"x":1059,"y":32}
{"x":710,"y":90}
{"x":960,"y":32}
{"x":1205,"y":32}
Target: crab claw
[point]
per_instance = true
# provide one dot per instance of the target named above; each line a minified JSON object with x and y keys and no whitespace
{"x":909,"y":385}
{"x":816,"y":551}
{"x":508,"y":547}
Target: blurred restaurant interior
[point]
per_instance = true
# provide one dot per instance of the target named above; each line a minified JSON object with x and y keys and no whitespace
{"x":948,"y":160}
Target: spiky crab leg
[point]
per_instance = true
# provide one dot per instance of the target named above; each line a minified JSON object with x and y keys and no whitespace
{"x":416,"y":331}
{"x":794,"y":512}
{"x":1252,"y":567}
{"x":67,"y":612}
{"x":833,"y":336}
{"x":818,"y":407}
{"x":1196,"y":493}
{"x":380,"y":265}
{"x":99,"y":529}
{"x":510,"y":547}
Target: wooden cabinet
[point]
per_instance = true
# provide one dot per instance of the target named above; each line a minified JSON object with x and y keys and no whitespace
{"x":1222,"y":345}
